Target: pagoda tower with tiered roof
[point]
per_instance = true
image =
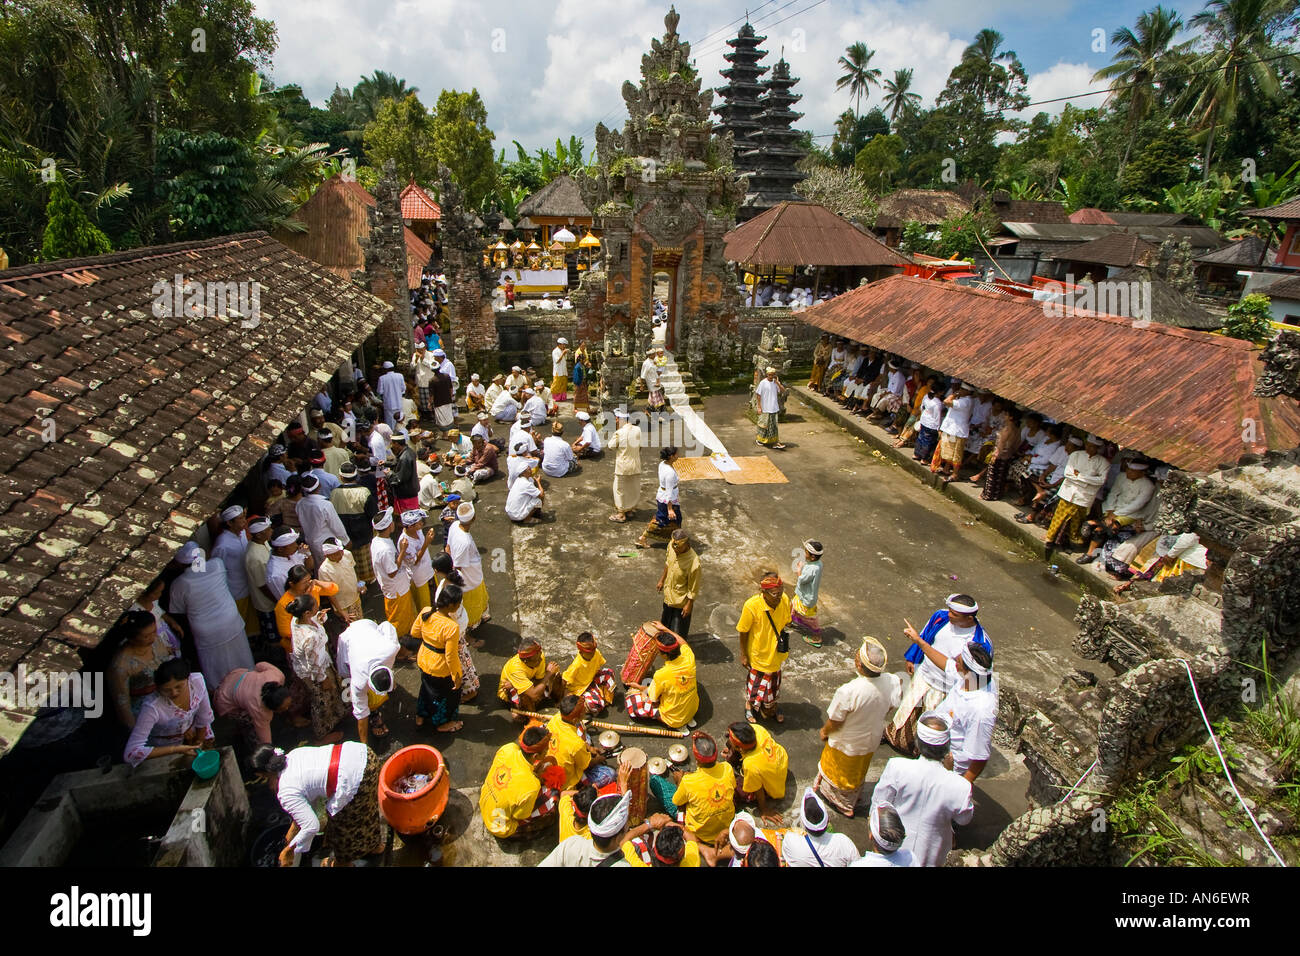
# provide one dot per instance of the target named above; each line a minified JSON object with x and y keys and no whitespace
{"x":741,"y":107}
{"x":771,"y":162}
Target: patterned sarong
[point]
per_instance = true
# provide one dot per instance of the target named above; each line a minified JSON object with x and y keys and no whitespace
{"x":918,"y":698}
{"x":1070,"y":516}
{"x":767,"y":433}
{"x":761,"y":689}
{"x":600,"y":692}
{"x":840,"y":777}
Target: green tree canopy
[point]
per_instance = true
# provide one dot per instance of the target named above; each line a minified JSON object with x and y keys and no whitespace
{"x":69,"y":233}
{"x":403,"y":131}
{"x":463,"y":143}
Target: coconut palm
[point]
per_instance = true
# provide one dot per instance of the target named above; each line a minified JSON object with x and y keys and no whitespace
{"x":1139,"y":60}
{"x":986,"y":49}
{"x":372,"y":90}
{"x":899,"y":98}
{"x":857,"y":74}
{"x":1238,"y":66}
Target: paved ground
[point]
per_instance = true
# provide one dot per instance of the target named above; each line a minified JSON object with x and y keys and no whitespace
{"x":894,"y":549}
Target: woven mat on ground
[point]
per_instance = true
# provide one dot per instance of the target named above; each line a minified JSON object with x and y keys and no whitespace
{"x":757,"y":470}
{"x":695,"y":469}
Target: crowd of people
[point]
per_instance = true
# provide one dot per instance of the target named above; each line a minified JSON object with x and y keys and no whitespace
{"x":268,"y":594}
{"x":1089,"y":496}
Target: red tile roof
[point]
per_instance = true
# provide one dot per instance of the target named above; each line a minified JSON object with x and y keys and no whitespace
{"x":155,"y":419}
{"x":1177,"y":395}
{"x":418,"y":205}
{"x":1091,"y":216}
{"x":806,"y":234}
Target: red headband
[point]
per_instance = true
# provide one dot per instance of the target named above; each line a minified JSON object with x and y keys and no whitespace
{"x":531,"y":651}
{"x":537,"y":747}
{"x":665,"y":860}
{"x":695,"y":738}
{"x":770,"y":583}
{"x":736,"y":740}
{"x":586,"y":645}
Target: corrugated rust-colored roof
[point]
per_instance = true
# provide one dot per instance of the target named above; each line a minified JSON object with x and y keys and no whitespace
{"x":1028,"y":210}
{"x":1121,"y":249}
{"x":336,"y":216}
{"x":154,"y":419}
{"x":418,"y":205}
{"x":1091,"y":216}
{"x":806,"y":234}
{"x":1179,"y":396}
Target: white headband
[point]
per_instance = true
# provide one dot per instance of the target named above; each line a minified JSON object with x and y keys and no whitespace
{"x":284,"y":537}
{"x":813,"y":826}
{"x":328,"y":548}
{"x":258,"y":526}
{"x":382,"y":668}
{"x":231,"y":513}
{"x":413,"y":517}
{"x":1137,"y":465}
{"x":465,"y":512}
{"x":972,"y":608}
{"x":741,"y":817}
{"x":613,"y":824}
{"x":928,"y":735}
{"x":885,"y":846}
{"x":382,"y":520}
{"x":971,"y":664}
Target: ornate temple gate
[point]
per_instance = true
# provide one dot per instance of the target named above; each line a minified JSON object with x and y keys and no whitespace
{"x":669,"y":261}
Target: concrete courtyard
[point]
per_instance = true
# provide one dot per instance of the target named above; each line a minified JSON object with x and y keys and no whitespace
{"x":894,"y":550}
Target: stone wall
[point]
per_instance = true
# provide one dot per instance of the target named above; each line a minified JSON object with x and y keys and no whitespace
{"x":384,"y":275}
{"x":526,"y":337}
{"x":800,"y":337}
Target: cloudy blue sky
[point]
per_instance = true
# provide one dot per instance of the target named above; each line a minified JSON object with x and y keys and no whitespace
{"x":554,"y":67}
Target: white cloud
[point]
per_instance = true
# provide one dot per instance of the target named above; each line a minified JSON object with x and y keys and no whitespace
{"x":1063,"y":80}
{"x":564,"y":61}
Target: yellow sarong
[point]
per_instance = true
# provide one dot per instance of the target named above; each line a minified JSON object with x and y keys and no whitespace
{"x":845,"y":772}
{"x":420,"y":597}
{"x":475,"y":603}
{"x":251,"y":626}
{"x":560,"y":385}
{"x":400,"y":613}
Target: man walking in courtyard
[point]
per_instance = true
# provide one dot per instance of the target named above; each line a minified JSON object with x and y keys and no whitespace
{"x":626,"y":444}
{"x":768,"y":396}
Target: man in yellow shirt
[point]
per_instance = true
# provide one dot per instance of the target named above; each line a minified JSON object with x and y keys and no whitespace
{"x":761,"y":764}
{"x":588,"y":677}
{"x":668,"y":846}
{"x":680,"y":584}
{"x":708,"y":793}
{"x":570,"y":748}
{"x":671,"y":697}
{"x":527,"y":681}
{"x":763,"y":650}
{"x":574,"y":807}
{"x":520,"y":792}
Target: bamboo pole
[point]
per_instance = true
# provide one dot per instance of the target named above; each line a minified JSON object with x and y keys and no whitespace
{"x":606,"y":725}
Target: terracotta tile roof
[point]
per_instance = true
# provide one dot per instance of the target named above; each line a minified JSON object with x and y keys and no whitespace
{"x":1177,"y":395}
{"x":1091,"y":216}
{"x":335,"y":217}
{"x":806,"y":234}
{"x":1120,"y":249}
{"x":155,"y":419}
{"x":418,"y":205}
{"x":927,"y":206}
{"x":559,"y":198}
{"x":1288,"y":211}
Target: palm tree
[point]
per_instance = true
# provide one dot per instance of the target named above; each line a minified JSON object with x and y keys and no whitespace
{"x":1139,"y":60}
{"x":899,"y":98}
{"x":986,"y":49}
{"x":1236,"y":68}
{"x":372,"y":90}
{"x":857,"y":73}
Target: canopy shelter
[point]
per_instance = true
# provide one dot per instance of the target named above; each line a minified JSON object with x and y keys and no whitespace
{"x":807,"y":234}
{"x":556,"y":206}
{"x":1177,"y":395}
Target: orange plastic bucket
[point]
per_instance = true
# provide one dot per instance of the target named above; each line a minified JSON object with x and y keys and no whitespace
{"x":413,"y":813}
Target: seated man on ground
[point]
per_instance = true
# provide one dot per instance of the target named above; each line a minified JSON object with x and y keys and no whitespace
{"x":760,"y":764}
{"x":521,"y":792}
{"x":1127,"y":507}
{"x":558,"y":459}
{"x":569,"y":747}
{"x":587,"y":445}
{"x":588,"y":676}
{"x":668,"y":845}
{"x":671,"y":696}
{"x":527,"y":680}
{"x":707,"y":794}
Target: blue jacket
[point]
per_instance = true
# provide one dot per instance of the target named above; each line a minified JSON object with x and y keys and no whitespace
{"x":932,"y":627}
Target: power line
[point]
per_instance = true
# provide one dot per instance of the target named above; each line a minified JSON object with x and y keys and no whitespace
{"x":766,"y":26}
